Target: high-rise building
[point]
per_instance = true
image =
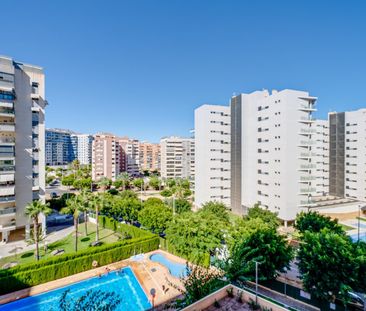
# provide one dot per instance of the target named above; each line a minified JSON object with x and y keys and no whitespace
{"x":59,"y":147}
{"x":129,"y":155}
{"x":22,"y":140}
{"x":212,"y":154}
{"x":82,"y":148}
{"x":177,"y":157}
{"x":347,"y":154}
{"x":321,"y":157}
{"x":149,"y":156}
{"x":105,"y":156}
{"x":272,"y":152}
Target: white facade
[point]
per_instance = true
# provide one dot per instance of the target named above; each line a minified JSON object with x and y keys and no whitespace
{"x":272,"y":151}
{"x":177,"y":157}
{"x":22,"y":141}
{"x":83,"y":148}
{"x":348,"y":154}
{"x":321,"y":157}
{"x":212,"y":154}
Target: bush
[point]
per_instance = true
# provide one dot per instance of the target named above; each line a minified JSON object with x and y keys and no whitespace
{"x":24,"y":276}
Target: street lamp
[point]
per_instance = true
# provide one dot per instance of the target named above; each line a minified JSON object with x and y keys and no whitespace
{"x":256,"y":281}
{"x":358,"y":222}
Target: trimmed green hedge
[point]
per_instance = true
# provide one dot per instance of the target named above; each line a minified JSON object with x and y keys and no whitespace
{"x":24,"y":276}
{"x":204,"y":261}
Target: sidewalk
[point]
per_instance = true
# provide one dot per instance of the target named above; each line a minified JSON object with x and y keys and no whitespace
{"x":8,"y":248}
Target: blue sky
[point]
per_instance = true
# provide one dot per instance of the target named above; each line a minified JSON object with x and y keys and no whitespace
{"x":140,"y":68}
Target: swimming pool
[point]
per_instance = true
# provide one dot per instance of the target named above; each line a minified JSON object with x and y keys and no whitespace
{"x":125,"y":284}
{"x":175,"y":269}
{"x":354,"y":237}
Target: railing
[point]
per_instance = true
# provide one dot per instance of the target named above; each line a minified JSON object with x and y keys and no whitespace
{"x":6,"y":211}
{"x":9,"y":198}
{"x":308,"y":131}
{"x":7,"y":168}
{"x":307,"y":142}
{"x":7,"y":111}
{"x":306,"y":190}
{"x":7,"y":154}
{"x":307,"y":166}
{"x":307,"y":178}
{"x":7,"y":140}
{"x":307,"y":154}
{"x":7,"y":126}
{"x":307,"y":119}
{"x":9,"y":224}
{"x":307,"y":202}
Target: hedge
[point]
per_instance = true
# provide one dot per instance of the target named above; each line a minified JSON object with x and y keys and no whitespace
{"x":203,"y":261}
{"x":123,"y":229}
{"x":24,"y":276}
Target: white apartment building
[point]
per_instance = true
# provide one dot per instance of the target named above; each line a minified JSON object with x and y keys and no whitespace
{"x":83,"y":146}
{"x":212,"y":154}
{"x":347,"y":156}
{"x":272,"y":151}
{"x":131,"y":156}
{"x":321,"y":157}
{"x":22,"y":141}
{"x":177,"y":157}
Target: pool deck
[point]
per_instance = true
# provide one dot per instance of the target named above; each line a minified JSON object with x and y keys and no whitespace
{"x":149,"y":274}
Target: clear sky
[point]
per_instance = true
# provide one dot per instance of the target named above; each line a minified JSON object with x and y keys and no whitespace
{"x":140,"y":68}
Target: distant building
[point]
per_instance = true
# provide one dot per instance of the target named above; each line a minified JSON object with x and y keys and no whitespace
{"x":177,"y":157}
{"x":321,"y":157}
{"x":149,"y":156}
{"x":212,"y":154}
{"x":82,"y":148}
{"x":59,"y":147}
{"x":129,"y":155}
{"x":22,"y":140}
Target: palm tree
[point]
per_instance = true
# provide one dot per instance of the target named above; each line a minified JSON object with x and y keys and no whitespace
{"x":124,"y":177}
{"x":73,"y":207}
{"x":96,"y":202}
{"x":104,"y":183}
{"x":84,"y":207}
{"x":33,"y":211}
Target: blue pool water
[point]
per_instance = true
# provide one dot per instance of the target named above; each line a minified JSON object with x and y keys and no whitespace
{"x":362,"y":224}
{"x":175,"y":269}
{"x":354,"y":237}
{"x":124,"y":284}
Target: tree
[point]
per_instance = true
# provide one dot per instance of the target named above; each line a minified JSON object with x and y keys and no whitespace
{"x":166,"y":193}
{"x":216,"y":209}
{"x":33,"y":211}
{"x":155,"y":215}
{"x":92,"y":300}
{"x":73,"y":207}
{"x":124,"y":179}
{"x":84,"y":207}
{"x":315,"y":222}
{"x":327,"y":265}
{"x":360,"y":260}
{"x":126,"y":207}
{"x":104,"y":183}
{"x":138,"y":183}
{"x":82,"y":183}
{"x":128,"y":194}
{"x":68,"y":180}
{"x":182,"y":206}
{"x":97,"y":203}
{"x":266,"y":215}
{"x":195,"y":235}
{"x":264,"y":246}
{"x":170,"y":182}
{"x":154,"y":183}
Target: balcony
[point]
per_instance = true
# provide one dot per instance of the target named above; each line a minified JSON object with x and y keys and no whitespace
{"x":8,"y":226}
{"x":307,"y":190}
{"x":7,"y":141}
{"x":309,"y":108}
{"x":7,"y":155}
{"x":8,"y":211}
{"x":6,"y":105}
{"x":7,"y":112}
{"x":307,"y":131}
{"x":6,"y":199}
{"x":307,"y":178}
{"x":6,"y":190}
{"x":306,"y":155}
{"x":7,"y":177}
{"x":307,"y":120}
{"x":307,"y":203}
{"x":7,"y":127}
{"x":307,"y":166}
{"x":7,"y":169}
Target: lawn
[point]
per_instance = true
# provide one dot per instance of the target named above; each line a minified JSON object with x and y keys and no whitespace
{"x":67,"y":244}
{"x":346,"y":228}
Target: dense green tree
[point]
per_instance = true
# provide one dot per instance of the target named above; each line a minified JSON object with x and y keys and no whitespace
{"x":166,"y":193}
{"x":154,"y":183}
{"x":216,"y":209}
{"x":170,"y":182}
{"x":92,"y":300}
{"x":104,"y":183}
{"x":82,"y":183}
{"x":34,"y":210}
{"x":125,"y":207}
{"x":264,"y":246}
{"x":327,"y":264}
{"x":360,"y":260}
{"x":49,"y":179}
{"x":73,"y":207}
{"x":128,"y":194}
{"x":123,"y":181}
{"x":155,"y":215}
{"x":266,"y":215}
{"x":68,"y":180}
{"x":195,"y":235}
{"x":83,"y":198}
{"x":138,"y":183}
{"x":182,"y":206}
{"x":315,"y":222}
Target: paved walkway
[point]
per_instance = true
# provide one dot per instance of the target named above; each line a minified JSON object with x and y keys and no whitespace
{"x":8,"y":249}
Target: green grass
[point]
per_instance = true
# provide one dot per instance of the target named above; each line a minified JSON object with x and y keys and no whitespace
{"x":346,"y":228}
{"x":67,"y":244}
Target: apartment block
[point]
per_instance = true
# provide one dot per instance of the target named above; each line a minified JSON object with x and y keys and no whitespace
{"x":129,"y":155}
{"x":272,"y":151}
{"x":22,"y":141}
{"x":82,"y":145}
{"x":105,"y":156}
{"x":149,"y":156}
{"x":177,"y":157}
{"x":59,"y":147}
{"x":212,"y":154}
{"x":347,"y":154}
{"x":321,"y":157}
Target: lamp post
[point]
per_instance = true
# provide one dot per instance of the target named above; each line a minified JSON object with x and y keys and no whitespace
{"x":256,"y":282}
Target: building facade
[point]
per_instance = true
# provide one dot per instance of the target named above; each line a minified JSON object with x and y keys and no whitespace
{"x":59,"y":147}
{"x":347,"y":154}
{"x":212,"y":154}
{"x":321,"y":157}
{"x":177,"y":157}
{"x":149,"y":157}
{"x":82,"y":145}
{"x":22,"y":140}
{"x":105,"y":156}
{"x":272,"y":152}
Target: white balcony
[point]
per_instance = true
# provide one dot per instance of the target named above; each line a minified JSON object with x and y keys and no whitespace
{"x":7,"y":212}
{"x":7,"y":190}
{"x":7,"y":127}
{"x":307,"y":108}
{"x":6,"y":105}
{"x":8,"y":226}
{"x":8,"y":141}
{"x":307,"y":120}
{"x":7,"y":177}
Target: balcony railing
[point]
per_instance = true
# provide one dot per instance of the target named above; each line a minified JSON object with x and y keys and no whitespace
{"x":306,"y":142}
{"x":7,"y":211}
{"x":7,"y":225}
{"x":307,"y":190}
{"x":307,"y":178}
{"x":7,"y":168}
{"x":9,"y":198}
{"x":307,"y":154}
{"x":9,"y":140}
{"x":307,"y":166}
{"x":7,"y":154}
{"x":304,"y":119}
{"x":7,"y":127}
{"x":308,"y":131}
